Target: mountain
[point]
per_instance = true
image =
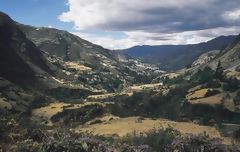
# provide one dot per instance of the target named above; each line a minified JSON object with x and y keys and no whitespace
{"x":55,"y":61}
{"x":66,"y":46}
{"x":87,"y":64}
{"x":174,"y":57}
{"x":59,"y":92}
{"x":230,"y":57}
{"x":20,"y":59}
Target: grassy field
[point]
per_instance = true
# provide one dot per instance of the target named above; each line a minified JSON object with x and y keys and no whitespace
{"x":197,"y":94}
{"x":4,"y":104}
{"x":102,"y":96}
{"x":129,"y":91}
{"x":52,"y":109}
{"x":146,"y":86}
{"x":77,"y":66}
{"x":123,"y":126}
{"x":213,"y":100}
{"x":138,"y":88}
{"x":233,"y":74}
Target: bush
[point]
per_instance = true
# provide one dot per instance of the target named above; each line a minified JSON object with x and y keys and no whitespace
{"x":198,"y":143}
{"x":211,"y":92}
{"x":203,"y":76}
{"x":80,"y":115}
{"x":238,"y":69}
{"x":151,"y":104}
{"x":35,"y":130}
{"x":213,"y":84}
{"x":237,"y":99}
{"x":231,"y":84}
{"x":27,"y":146}
{"x":67,"y":142}
{"x":236,"y":135}
{"x":157,"y":139}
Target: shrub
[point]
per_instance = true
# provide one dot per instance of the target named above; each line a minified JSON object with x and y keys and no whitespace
{"x":157,"y":139}
{"x":80,"y":115}
{"x":236,"y":135}
{"x":237,"y":99}
{"x":211,"y":92}
{"x":219,"y":71}
{"x":27,"y":146}
{"x":213,"y":84}
{"x":67,"y":142}
{"x":232,"y":84}
{"x":34,"y":130}
{"x":203,"y":76}
{"x":238,"y":69}
{"x":198,"y":143}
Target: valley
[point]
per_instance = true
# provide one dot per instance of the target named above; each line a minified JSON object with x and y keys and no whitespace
{"x":59,"y":92}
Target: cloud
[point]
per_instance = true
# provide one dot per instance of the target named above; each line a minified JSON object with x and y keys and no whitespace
{"x":144,"y":38}
{"x":232,"y":16}
{"x":156,"y":21}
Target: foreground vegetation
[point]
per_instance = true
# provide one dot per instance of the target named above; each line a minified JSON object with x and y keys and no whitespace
{"x":21,"y":135}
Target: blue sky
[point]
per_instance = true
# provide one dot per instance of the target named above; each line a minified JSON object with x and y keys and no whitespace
{"x":45,"y":13}
{"x":37,"y":12}
{"x":118,"y":24}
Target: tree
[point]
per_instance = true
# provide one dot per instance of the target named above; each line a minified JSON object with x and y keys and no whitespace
{"x":219,"y":71}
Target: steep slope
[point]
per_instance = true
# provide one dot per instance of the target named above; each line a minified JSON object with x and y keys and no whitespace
{"x":85,"y":63}
{"x":67,"y":46}
{"x":20,"y":59}
{"x":174,"y":57}
{"x":230,"y":57}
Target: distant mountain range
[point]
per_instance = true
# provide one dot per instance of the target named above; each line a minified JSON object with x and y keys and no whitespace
{"x":174,"y":57}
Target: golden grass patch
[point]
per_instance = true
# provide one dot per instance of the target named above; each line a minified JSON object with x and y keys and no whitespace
{"x":197,"y":94}
{"x":213,"y":100}
{"x":77,"y":66}
{"x":102,"y":96}
{"x":124,"y":126}
{"x":4,"y":104}
{"x":58,"y":80}
{"x":195,"y":89}
{"x":137,"y":88}
{"x":57,"y":107}
{"x":233,"y":74}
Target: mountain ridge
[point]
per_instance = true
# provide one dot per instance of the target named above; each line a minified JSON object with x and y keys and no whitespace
{"x":175,"y":57}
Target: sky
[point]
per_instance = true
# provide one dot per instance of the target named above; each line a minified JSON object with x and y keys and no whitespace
{"x":120,"y":24}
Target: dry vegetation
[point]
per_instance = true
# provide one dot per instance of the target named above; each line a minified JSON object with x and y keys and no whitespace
{"x":77,"y":66}
{"x":52,"y":109}
{"x":233,"y":74}
{"x":4,"y":104}
{"x":102,"y":96}
{"x":213,"y":100}
{"x":197,"y":94}
{"x":111,"y":126}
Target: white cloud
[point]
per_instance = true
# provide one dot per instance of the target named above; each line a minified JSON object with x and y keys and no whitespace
{"x":164,"y":15}
{"x":232,"y":16}
{"x":143,"y":38}
{"x":153,"y":22}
